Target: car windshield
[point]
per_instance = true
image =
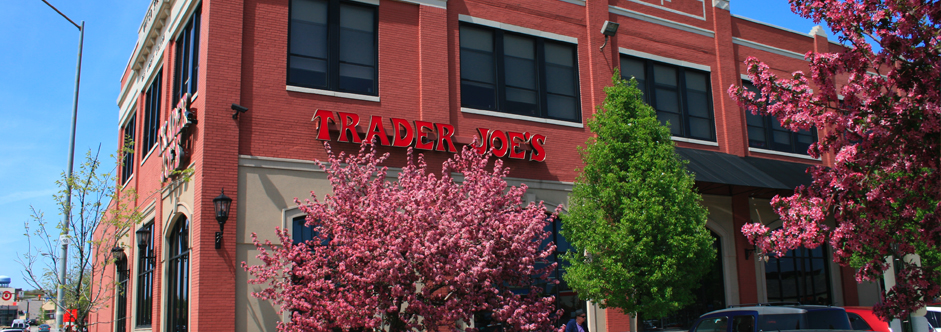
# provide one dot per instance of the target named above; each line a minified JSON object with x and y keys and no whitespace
{"x":828,"y":320}
{"x":858,"y":322}
{"x":780,"y":322}
{"x":934,"y":317}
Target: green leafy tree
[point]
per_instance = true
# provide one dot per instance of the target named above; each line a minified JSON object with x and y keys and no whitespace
{"x":636,"y":221}
{"x":101,"y":217}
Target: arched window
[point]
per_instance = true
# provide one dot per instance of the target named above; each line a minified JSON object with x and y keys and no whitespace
{"x":178,"y":271}
{"x":145,"y":279}
{"x":802,"y":275}
{"x":709,"y":296}
{"x":120,"y":290}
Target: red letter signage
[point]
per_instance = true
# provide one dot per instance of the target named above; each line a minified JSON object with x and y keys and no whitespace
{"x":430,"y":136}
{"x":171,"y":148}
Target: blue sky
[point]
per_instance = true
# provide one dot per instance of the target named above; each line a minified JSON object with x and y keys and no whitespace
{"x":37,"y":80}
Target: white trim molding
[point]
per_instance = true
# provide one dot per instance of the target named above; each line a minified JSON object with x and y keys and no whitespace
{"x":311,"y":166}
{"x":661,"y":7}
{"x":779,"y":153}
{"x":516,"y":28}
{"x":522,"y":117}
{"x":576,"y":2}
{"x":288,"y":215}
{"x":125,"y":115}
{"x":721,"y":4}
{"x":279,"y":163}
{"x":729,"y":265}
{"x":745,"y":77}
{"x":818,"y":31}
{"x":443,"y":4}
{"x":346,"y":95}
{"x":663,"y":59}
{"x":693,"y":141}
{"x":767,"y":48}
{"x":767,"y":24}
{"x":664,"y":22}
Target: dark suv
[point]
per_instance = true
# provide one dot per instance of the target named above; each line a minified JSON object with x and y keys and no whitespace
{"x":773,"y":318}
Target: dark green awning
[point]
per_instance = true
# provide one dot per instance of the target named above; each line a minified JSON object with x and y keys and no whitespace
{"x":717,"y":167}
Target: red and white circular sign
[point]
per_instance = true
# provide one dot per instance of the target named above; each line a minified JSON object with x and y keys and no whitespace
{"x":7,"y":295}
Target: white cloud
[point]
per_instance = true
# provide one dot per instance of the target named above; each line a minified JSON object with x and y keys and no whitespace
{"x":22,"y":195}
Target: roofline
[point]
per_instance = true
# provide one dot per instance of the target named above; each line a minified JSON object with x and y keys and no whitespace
{"x":781,"y":28}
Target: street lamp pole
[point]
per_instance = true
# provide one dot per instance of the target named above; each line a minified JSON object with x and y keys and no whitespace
{"x":64,"y":236}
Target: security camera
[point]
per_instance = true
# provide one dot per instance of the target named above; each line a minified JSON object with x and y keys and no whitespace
{"x":238,"y":109}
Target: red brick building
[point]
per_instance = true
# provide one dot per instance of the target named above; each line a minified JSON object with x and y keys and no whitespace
{"x":525,"y":74}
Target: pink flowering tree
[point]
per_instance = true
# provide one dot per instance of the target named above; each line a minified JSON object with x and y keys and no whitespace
{"x":883,"y":188}
{"x":421,"y":252}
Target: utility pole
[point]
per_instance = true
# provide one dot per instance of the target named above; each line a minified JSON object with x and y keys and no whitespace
{"x":64,"y":236}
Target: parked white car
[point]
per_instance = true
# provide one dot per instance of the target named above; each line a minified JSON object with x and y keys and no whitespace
{"x":934,"y":317}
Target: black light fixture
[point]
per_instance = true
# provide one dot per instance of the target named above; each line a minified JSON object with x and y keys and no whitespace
{"x":748,"y":252}
{"x":143,"y":241}
{"x":238,"y":109}
{"x":118,"y":254}
{"x":758,"y":255}
{"x":222,"y":204}
{"x":608,"y":29}
{"x":120,"y":259}
{"x":143,"y":238}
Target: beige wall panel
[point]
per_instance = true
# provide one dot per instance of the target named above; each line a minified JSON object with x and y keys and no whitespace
{"x":266,"y":193}
{"x":177,"y":199}
{"x":869,"y":293}
{"x":252,"y":314}
{"x":720,"y":222}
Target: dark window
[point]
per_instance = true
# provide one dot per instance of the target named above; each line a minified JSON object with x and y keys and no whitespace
{"x":858,"y":322}
{"x":565,"y":298}
{"x":304,"y":233}
{"x":680,"y":95}
{"x":152,"y":113}
{"x":802,"y":275}
{"x":716,"y":324}
{"x":127,"y":163}
{"x":561,"y":247}
{"x":743,"y":323}
{"x":828,"y":319}
{"x":178,"y":277}
{"x":779,"y":322}
{"x":709,"y":296}
{"x":332,"y":45}
{"x":766,"y":132}
{"x":120,"y":305}
{"x":145,"y":280}
{"x":187,"y":58}
{"x":520,"y":74}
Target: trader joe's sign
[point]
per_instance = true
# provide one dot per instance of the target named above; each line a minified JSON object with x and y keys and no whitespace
{"x":426,"y":135}
{"x":171,"y":142}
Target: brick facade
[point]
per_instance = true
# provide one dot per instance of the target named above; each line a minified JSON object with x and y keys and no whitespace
{"x":243,"y":49}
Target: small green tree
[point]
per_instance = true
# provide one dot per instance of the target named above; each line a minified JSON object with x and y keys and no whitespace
{"x":634,"y":219}
{"x":102,"y":215}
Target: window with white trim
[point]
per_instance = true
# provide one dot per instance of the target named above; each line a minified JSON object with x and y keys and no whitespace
{"x":120,"y":294}
{"x":127,"y":141}
{"x":766,"y":132}
{"x":187,"y":58}
{"x":520,"y":74}
{"x":178,"y":272}
{"x":332,"y":45}
{"x":681,"y":96}
{"x":152,"y":102}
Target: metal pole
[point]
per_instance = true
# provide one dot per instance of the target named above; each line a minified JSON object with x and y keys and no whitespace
{"x":63,"y":237}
